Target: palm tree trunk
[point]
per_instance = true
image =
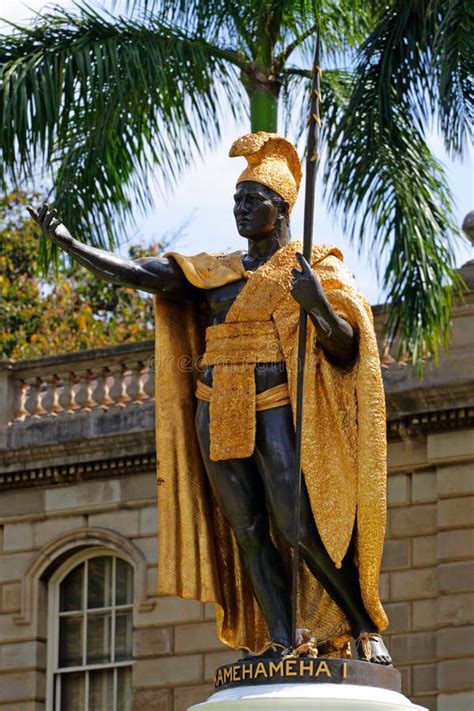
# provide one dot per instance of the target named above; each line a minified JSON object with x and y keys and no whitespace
{"x":262,"y":87}
{"x":263,"y":111}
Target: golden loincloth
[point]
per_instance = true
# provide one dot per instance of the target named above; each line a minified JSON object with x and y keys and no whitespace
{"x":233,"y":349}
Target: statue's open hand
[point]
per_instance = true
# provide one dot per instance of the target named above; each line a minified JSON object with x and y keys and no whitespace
{"x":52,"y":226}
{"x":306,"y":288}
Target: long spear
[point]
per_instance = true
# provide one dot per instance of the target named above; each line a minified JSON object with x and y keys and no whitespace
{"x":312,"y":160}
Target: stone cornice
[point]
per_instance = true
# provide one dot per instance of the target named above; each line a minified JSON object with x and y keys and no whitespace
{"x":67,"y":473}
{"x":422,"y":424}
{"x":78,"y":451}
{"x":81,"y":464}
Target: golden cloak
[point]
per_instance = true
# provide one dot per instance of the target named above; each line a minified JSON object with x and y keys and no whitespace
{"x":343,"y":449}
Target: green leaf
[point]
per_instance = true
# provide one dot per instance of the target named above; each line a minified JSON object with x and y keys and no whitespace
{"x":453,"y":53}
{"x":395,"y":201}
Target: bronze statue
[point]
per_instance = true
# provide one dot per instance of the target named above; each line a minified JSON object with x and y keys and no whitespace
{"x":225,"y":363}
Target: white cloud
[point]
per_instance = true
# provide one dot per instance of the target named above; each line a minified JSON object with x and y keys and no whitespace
{"x":23,"y":12}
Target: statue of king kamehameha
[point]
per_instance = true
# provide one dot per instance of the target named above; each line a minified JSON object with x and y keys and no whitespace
{"x":226,"y":363}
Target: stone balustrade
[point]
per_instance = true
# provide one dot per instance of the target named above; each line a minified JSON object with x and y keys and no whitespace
{"x":61,"y":386}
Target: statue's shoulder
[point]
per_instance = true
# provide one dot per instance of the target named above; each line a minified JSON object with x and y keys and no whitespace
{"x":319,"y":252}
{"x":328,"y":263}
{"x":325,"y":252}
{"x":208,"y":271}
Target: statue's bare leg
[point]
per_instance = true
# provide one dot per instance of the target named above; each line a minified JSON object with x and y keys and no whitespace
{"x":275,"y":458}
{"x":240,"y":494}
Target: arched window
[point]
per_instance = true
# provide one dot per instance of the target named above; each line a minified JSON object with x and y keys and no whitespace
{"x":90,"y":634}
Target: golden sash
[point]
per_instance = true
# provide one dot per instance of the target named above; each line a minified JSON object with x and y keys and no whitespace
{"x":277,"y":396}
{"x":233,"y":349}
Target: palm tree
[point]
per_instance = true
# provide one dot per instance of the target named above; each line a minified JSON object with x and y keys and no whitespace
{"x":100,"y":102}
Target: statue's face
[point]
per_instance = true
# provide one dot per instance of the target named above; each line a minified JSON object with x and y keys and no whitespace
{"x":257,"y":209}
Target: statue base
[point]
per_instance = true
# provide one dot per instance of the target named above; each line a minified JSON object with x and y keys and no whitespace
{"x":320,"y":697}
{"x":320,"y":684}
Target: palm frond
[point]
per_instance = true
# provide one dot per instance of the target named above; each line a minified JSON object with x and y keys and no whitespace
{"x":453,"y":53}
{"x":217,"y":21}
{"x":284,"y":23}
{"x":396,"y":203}
{"x":424,"y":53}
{"x":101,"y":102}
{"x":346,"y":24}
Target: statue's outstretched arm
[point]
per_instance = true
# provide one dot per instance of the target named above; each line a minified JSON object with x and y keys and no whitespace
{"x":335,"y":334}
{"x":156,"y":274}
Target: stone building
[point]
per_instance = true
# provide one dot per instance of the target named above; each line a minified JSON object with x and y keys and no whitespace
{"x":81,"y":626}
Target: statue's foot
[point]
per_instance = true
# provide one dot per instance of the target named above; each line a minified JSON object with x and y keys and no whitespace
{"x":305,"y":644}
{"x":273,"y":651}
{"x":371,"y":648}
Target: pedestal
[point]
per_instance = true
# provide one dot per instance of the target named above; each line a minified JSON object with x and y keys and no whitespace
{"x":319,"y":684}
{"x":318,"y":697}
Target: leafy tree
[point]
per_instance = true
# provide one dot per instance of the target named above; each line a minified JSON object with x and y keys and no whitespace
{"x":74,"y":311}
{"x":21,"y":301}
{"x":102,"y":101}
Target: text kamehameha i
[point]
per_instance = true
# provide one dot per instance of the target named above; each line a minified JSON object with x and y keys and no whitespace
{"x":304,"y":669}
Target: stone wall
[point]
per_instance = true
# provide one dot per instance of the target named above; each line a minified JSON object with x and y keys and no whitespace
{"x":428,"y":578}
{"x":427,"y":584}
{"x":175,"y":646}
{"x":75,"y":477}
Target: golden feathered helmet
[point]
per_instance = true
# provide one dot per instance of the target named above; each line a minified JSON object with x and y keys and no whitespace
{"x":272,"y":161}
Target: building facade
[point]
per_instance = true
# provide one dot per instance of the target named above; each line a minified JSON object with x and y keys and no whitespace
{"x":81,"y":626}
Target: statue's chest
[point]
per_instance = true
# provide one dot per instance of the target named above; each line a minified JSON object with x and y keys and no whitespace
{"x":254,"y":299}
{"x":220,"y":300}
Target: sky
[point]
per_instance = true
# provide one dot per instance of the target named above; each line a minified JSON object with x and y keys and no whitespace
{"x":203,"y":198}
